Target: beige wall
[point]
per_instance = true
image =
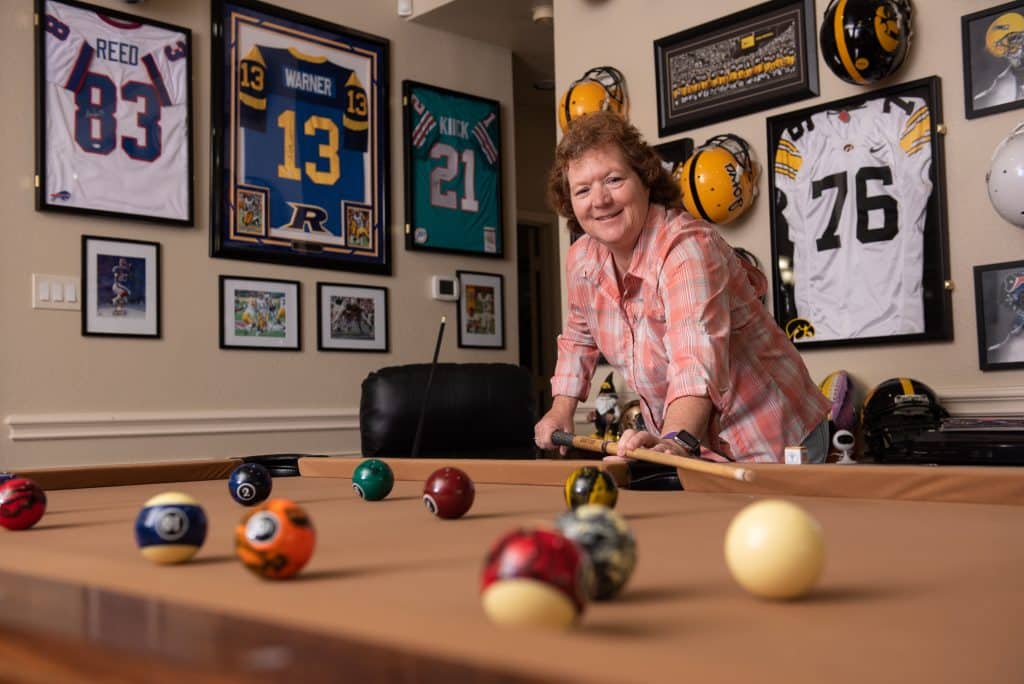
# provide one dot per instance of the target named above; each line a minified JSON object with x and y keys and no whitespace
{"x":621,"y":34}
{"x":72,"y":399}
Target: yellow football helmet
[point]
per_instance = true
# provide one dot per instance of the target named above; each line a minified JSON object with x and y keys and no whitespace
{"x":1005,"y":35}
{"x":599,"y":89}
{"x":718,"y":180}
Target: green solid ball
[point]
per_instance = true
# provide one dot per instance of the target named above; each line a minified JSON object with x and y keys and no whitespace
{"x":373,"y":480}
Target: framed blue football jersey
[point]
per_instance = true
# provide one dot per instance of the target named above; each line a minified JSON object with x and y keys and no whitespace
{"x":300,"y":140}
{"x":453,"y":178}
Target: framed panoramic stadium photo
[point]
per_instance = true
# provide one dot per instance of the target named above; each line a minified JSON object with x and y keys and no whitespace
{"x":858,"y":211}
{"x":745,"y":62}
{"x":300,"y":140}
{"x":114,"y":105}
{"x":452,"y":145}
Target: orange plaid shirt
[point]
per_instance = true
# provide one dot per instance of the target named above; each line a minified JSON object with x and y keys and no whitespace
{"x":687,"y":323}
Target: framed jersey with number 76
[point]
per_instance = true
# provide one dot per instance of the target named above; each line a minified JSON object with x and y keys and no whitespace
{"x":858,"y":212}
{"x":452,"y":171}
{"x":300,"y":140}
{"x":114,"y":102}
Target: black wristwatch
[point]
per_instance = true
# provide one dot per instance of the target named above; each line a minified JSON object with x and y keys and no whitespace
{"x":684,"y":439}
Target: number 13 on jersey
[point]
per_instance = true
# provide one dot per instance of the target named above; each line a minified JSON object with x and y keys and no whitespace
{"x":305,"y":143}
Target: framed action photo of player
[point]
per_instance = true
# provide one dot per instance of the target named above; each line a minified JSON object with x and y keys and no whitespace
{"x":300,"y":140}
{"x":758,"y":58}
{"x":259,"y":313}
{"x":858,"y":213}
{"x":114,"y":114}
{"x":481,"y":310}
{"x":351,"y":317}
{"x":993,"y":55}
{"x":999,"y":303}
{"x":120,"y":287}
{"x":452,"y":145}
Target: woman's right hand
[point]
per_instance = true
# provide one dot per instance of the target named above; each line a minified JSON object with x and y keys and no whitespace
{"x":560,"y":417}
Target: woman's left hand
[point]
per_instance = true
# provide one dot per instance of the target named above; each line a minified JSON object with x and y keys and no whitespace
{"x":640,"y":439}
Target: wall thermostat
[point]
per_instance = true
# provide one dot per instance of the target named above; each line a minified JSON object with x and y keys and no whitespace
{"x":445,"y":289}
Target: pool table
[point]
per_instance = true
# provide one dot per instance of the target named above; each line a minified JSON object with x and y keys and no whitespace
{"x":924,"y":582}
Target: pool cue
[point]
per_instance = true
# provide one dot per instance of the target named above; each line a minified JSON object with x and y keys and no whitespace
{"x":605,"y":447}
{"x":426,"y":391}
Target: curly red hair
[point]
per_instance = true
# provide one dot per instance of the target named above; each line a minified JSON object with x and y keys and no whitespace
{"x":600,"y":129}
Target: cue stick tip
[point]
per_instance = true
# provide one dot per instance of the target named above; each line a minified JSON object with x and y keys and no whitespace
{"x":744,"y":475}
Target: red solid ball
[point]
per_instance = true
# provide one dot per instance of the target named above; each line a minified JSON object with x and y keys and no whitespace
{"x":22,"y":503}
{"x":448,"y":493}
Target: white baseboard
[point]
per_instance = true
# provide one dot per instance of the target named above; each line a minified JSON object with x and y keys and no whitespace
{"x":57,"y":426}
{"x":982,"y":401}
{"x":960,"y":401}
{"x":965,"y":401}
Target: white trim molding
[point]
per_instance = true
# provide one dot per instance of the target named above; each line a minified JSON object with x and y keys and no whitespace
{"x":982,"y":401}
{"x":56,"y":426}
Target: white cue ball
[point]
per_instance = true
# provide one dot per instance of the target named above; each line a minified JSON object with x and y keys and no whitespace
{"x":775,"y":549}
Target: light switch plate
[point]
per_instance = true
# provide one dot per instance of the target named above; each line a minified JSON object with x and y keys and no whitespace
{"x":45,"y":288}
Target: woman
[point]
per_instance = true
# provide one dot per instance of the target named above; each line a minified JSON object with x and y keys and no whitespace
{"x":666,"y":301}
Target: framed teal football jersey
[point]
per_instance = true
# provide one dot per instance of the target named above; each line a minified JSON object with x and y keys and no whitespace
{"x":452,"y":144}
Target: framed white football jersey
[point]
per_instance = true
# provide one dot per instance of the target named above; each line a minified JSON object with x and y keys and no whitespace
{"x":116,"y":114}
{"x":860,"y":250}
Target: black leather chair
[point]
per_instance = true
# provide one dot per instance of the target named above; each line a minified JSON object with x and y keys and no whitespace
{"x":474,"y":410}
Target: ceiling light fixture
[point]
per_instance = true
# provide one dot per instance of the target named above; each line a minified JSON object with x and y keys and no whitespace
{"x":543,"y":14}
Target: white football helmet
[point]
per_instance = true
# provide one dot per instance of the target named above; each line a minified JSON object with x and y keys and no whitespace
{"x":1005,"y":177}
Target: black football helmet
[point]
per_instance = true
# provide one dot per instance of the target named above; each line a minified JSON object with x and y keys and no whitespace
{"x":895,"y":413}
{"x":864,"y":41}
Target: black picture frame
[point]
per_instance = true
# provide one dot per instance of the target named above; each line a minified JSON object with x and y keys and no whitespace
{"x":261,"y":314}
{"x":674,"y":153}
{"x":120,"y":287}
{"x":758,"y":58}
{"x":481,"y":310}
{"x":300,"y":137}
{"x":855,"y":282}
{"x":999,"y":307}
{"x":352,"y":318}
{"x":450,"y":138}
{"x":990,"y":86}
{"x":113,"y":135}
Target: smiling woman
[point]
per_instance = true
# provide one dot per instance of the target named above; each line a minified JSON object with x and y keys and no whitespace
{"x":672,"y":309}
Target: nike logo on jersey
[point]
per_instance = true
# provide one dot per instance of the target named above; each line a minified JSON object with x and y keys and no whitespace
{"x":876,"y":149}
{"x":62,"y":195}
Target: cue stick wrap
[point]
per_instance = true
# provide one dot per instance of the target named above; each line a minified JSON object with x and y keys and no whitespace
{"x":426,"y":391}
{"x":605,"y":447}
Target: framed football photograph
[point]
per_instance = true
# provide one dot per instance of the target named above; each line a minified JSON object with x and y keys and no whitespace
{"x":259,"y":313}
{"x":858,"y":211}
{"x":300,"y":140}
{"x":351,"y":317}
{"x":120,"y":287}
{"x":999,"y":304}
{"x":992,"y":41}
{"x":481,"y":310}
{"x":114,"y":114}
{"x":452,"y":146}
